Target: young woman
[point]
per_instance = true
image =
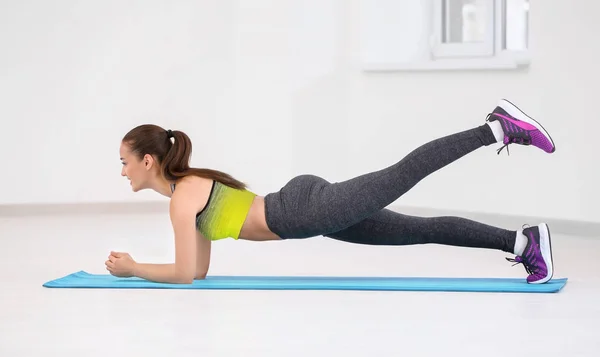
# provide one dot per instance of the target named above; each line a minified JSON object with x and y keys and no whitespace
{"x":208,"y":205}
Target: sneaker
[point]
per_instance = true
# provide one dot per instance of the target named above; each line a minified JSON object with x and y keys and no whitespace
{"x":537,"y":256}
{"x":519,"y":128}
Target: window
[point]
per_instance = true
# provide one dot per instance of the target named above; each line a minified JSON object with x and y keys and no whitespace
{"x":479,"y":28}
{"x":451,"y":34}
{"x":463,"y":28}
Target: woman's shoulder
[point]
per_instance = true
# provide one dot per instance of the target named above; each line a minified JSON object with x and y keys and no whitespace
{"x":194,"y":182}
{"x":191,"y":193}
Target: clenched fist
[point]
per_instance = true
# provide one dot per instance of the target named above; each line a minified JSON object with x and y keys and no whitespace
{"x":120,"y":264}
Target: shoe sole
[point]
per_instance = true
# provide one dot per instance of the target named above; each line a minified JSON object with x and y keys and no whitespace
{"x":546,"y":248}
{"x":516,"y":112}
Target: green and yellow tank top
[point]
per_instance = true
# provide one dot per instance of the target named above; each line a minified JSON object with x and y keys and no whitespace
{"x":224,"y":213}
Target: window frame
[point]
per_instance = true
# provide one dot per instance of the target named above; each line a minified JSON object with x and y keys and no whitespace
{"x":429,"y":56}
{"x":441,"y":49}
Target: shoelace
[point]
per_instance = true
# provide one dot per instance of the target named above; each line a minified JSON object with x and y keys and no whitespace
{"x":513,"y":138}
{"x":504,"y":146}
{"x":521,"y":260}
{"x":516,"y":138}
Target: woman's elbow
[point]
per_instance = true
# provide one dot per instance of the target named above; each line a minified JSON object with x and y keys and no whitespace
{"x":185,"y":277}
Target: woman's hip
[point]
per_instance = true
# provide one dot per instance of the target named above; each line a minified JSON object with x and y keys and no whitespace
{"x":295,"y":211}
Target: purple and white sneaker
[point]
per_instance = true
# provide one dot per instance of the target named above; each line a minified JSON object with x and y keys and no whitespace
{"x":537,"y":255}
{"x":519,"y":128}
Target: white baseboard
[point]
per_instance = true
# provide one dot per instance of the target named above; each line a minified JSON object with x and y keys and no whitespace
{"x":561,"y":226}
{"x":25,"y":210}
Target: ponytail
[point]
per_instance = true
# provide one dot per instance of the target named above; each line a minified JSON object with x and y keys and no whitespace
{"x":176,"y":162}
{"x":173,"y":156}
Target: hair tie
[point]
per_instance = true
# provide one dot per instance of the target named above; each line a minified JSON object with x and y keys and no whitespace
{"x":169,"y":134}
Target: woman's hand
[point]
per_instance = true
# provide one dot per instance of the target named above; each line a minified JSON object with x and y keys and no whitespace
{"x":120,"y":264}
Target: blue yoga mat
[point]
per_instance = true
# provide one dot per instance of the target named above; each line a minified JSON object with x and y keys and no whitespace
{"x":83,"y":279}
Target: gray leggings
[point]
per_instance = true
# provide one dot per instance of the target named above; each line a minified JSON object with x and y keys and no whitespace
{"x":354,"y":210}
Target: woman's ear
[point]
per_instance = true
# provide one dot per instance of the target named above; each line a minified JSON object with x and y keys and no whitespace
{"x":148,"y":161}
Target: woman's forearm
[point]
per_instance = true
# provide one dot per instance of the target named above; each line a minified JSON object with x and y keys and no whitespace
{"x":161,"y":273}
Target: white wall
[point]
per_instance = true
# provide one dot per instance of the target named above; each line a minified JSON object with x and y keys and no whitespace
{"x":270,"y":89}
{"x":76,"y":76}
{"x":367,"y":121}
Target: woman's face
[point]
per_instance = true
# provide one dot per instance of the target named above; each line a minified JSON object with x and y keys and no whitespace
{"x":136,"y":170}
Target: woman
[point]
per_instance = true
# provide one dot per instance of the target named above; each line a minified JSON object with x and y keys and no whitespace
{"x":208,"y":205}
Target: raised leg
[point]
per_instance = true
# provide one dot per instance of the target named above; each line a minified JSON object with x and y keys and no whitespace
{"x":309,"y":205}
{"x":351,"y":201}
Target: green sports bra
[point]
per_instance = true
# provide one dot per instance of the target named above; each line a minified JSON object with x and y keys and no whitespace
{"x":225,"y":212}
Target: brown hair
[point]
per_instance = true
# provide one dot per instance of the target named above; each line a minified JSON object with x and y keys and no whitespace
{"x":173,"y":157}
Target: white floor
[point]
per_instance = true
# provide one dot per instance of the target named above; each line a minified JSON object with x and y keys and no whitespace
{"x":36,"y":321}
